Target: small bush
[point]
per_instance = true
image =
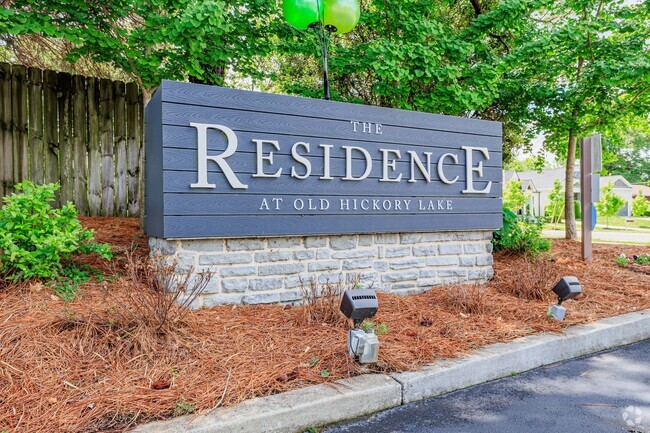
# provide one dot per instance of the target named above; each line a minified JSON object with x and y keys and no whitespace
{"x":468,"y":299}
{"x":160,"y":294}
{"x":536,"y":278}
{"x":321,"y":302}
{"x":35,"y":238}
{"x":520,"y":236}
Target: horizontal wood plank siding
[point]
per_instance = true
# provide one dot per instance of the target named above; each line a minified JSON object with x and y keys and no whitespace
{"x":286,"y":205}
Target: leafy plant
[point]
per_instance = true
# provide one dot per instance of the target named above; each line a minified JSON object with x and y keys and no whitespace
{"x":520,"y":236}
{"x":379,"y":329}
{"x":643,"y":259}
{"x":35,"y":238}
{"x":66,"y":285}
{"x":640,"y":206}
{"x":514,"y":198}
{"x":184,"y":407}
{"x":610,"y":203}
{"x":622,"y":260}
{"x":555,"y":207}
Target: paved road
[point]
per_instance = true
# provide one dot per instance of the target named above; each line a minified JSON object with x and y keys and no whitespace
{"x":635,"y":237}
{"x":585,"y":395}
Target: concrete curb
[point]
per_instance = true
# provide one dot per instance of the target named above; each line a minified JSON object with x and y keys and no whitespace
{"x":293,"y":411}
{"x":297,"y":410}
{"x":503,"y":359}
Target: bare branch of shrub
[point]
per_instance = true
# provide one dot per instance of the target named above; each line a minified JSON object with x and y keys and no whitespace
{"x":321,"y":301}
{"x":535,"y":279}
{"x":467,"y":298}
{"x":159,"y":294}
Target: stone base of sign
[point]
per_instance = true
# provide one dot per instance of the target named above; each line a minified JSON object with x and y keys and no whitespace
{"x":273,"y":270}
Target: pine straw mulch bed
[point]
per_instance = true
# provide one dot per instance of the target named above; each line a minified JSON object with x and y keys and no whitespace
{"x":85,"y":366}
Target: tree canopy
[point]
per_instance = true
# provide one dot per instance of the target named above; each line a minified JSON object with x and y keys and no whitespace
{"x":564,"y":68}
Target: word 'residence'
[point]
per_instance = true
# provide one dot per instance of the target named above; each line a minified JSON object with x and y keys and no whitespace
{"x":419,"y":164}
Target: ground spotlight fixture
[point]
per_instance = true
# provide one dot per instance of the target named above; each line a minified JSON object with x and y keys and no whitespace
{"x":359,"y":305}
{"x":566,"y":288}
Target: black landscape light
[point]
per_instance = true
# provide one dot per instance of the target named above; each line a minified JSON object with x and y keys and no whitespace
{"x":359,"y":305}
{"x":566,"y":288}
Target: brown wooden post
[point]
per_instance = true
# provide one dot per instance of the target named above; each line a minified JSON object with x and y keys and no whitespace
{"x":585,"y":197}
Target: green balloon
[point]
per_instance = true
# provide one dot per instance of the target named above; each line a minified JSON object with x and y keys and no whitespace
{"x":342,"y":14}
{"x":301,"y":13}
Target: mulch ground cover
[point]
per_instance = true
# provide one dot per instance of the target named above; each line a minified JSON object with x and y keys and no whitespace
{"x":90,"y":365}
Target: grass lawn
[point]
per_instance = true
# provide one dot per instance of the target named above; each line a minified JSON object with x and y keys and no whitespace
{"x":616,"y":223}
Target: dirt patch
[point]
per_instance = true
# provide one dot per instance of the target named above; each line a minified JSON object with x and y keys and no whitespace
{"x":81,"y":367}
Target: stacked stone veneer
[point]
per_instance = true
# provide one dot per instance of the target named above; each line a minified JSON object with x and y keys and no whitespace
{"x":270,"y":270}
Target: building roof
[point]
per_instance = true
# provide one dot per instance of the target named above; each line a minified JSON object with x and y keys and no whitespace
{"x":619,"y":182}
{"x":645,"y":190}
{"x":544,"y":180}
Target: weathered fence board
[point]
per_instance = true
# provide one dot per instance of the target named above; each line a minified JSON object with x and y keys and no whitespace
{"x":80,"y":149}
{"x":94,"y":149}
{"x":84,"y":133}
{"x":66,"y":153}
{"x":19,"y":122}
{"x":51,"y":122}
{"x":108,"y":150}
{"x":133,"y":110}
{"x":119,"y":106}
{"x":5,"y":129}
{"x":35,"y":131}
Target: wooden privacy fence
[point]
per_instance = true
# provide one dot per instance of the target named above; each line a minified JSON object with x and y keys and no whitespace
{"x":84,"y":133}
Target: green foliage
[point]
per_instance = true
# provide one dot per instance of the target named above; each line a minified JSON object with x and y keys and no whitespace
{"x":643,"y":259}
{"x":154,"y":39}
{"x":35,"y":238}
{"x":514,"y":197}
{"x":520,"y":236}
{"x":555,"y":207}
{"x":531,"y":163}
{"x":627,"y":152}
{"x":66,"y":284}
{"x":577,"y":210}
{"x":610,"y":203}
{"x":184,"y":407}
{"x":621,"y":260}
{"x":380,"y":329}
{"x":640,"y":206}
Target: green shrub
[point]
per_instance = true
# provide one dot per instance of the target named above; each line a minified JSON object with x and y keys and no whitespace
{"x":520,"y":236}
{"x":577,"y":209}
{"x":35,"y":238}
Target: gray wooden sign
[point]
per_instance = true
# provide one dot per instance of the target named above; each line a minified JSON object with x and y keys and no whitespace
{"x":231,"y":163}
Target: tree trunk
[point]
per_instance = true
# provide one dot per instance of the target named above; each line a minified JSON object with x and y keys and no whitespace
{"x":569,"y":209}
